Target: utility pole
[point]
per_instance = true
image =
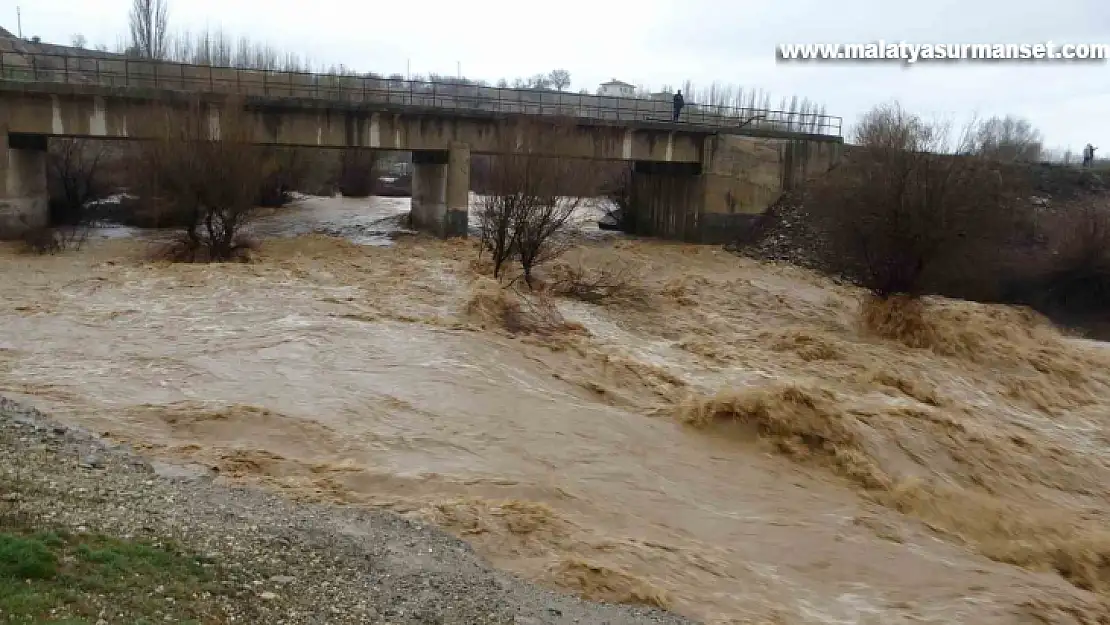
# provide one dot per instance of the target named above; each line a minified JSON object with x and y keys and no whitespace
{"x":19,"y":22}
{"x":458,"y":69}
{"x":408,"y":69}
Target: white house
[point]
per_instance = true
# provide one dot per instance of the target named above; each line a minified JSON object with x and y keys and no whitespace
{"x":616,"y":89}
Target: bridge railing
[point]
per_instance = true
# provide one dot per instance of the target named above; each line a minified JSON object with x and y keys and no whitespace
{"x":120,"y":71}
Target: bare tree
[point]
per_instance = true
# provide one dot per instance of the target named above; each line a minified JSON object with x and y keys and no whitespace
{"x":755,"y":107}
{"x":1007,"y":138}
{"x":559,"y":78}
{"x":75,"y":179}
{"x":148,"y":23}
{"x":79,"y":41}
{"x":903,"y":204}
{"x":218,"y":47}
{"x":532,"y":206}
{"x":204,"y":169}
{"x":545,"y":232}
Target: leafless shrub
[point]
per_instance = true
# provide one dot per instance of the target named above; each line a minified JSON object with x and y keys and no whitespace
{"x":1009,"y":138}
{"x":532,"y":206}
{"x":43,"y":240}
{"x":1077,"y":280}
{"x":203,"y":169}
{"x":544,"y":233}
{"x":906,"y":203}
{"x":496,"y":218}
{"x":76,"y":180}
{"x":72,"y":237}
{"x":592,"y":285}
{"x":183,"y":249}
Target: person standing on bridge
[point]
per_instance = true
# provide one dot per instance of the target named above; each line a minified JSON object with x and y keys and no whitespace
{"x":679,"y":102}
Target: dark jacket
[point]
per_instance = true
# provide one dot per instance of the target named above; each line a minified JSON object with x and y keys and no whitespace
{"x":679,"y":102}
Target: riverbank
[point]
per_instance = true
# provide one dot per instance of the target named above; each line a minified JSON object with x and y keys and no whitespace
{"x":217,"y":554}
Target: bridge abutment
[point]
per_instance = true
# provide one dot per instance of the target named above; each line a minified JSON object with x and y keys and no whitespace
{"x":23,"y":192}
{"x":720,"y":198}
{"x":668,"y":199}
{"x":441,"y":190}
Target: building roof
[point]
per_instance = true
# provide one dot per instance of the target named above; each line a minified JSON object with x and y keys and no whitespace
{"x":616,"y":83}
{"x":6,"y":34}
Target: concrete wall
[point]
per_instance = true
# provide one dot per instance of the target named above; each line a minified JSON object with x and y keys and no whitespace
{"x":739,"y":178}
{"x":23,"y":194}
{"x":743,"y":176}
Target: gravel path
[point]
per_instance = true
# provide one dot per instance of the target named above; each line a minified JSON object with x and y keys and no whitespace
{"x":294,"y":563}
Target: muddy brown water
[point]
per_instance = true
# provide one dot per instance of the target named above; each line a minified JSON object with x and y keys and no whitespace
{"x":869,"y":482}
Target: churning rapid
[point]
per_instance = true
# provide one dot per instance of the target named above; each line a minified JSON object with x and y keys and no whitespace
{"x":722,"y":437}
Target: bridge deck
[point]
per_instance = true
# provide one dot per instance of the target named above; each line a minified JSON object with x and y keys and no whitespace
{"x":388,"y":93}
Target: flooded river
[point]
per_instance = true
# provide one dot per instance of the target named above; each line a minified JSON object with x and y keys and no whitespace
{"x":723,"y":440}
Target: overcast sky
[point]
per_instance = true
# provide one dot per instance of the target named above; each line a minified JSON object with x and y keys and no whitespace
{"x":657,"y":42}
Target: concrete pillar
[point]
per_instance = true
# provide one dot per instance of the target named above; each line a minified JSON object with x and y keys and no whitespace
{"x":429,"y":190}
{"x":440,"y":190}
{"x":23,"y":193}
{"x":458,"y":190}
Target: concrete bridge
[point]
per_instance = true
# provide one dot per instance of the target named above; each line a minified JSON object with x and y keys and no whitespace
{"x":696,"y":179}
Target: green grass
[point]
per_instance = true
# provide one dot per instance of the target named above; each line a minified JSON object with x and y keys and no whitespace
{"x":76,"y":579}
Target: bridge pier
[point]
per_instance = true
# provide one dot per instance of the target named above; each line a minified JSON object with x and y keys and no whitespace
{"x":441,"y":190}
{"x":23,"y":193}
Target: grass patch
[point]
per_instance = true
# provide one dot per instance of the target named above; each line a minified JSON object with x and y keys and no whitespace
{"x":60,"y":577}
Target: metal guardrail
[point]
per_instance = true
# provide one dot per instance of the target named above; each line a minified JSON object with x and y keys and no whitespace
{"x":137,"y":73}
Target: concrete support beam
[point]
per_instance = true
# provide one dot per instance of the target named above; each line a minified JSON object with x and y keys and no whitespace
{"x":441,"y":190}
{"x":23,"y":193}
